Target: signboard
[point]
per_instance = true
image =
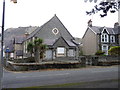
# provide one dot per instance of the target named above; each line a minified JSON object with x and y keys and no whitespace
{"x":7,"y":50}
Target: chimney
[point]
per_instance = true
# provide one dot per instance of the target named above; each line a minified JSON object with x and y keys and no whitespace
{"x":90,"y":23}
{"x":116,"y":25}
{"x":26,"y":34}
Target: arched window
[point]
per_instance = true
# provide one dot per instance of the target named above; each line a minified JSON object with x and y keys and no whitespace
{"x":104,"y":37}
{"x":112,"y":38}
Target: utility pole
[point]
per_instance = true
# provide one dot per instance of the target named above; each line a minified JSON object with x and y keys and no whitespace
{"x":2,"y":43}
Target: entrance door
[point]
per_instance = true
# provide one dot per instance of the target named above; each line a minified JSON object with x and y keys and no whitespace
{"x":48,"y":55}
{"x":105,"y":48}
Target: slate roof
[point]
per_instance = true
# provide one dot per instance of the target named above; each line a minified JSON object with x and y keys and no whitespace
{"x":117,"y":30}
{"x":53,"y":41}
{"x":49,"y":41}
{"x":10,"y":33}
{"x":10,"y":46}
{"x":16,"y":40}
{"x":69,"y":43}
{"x":19,"y":39}
{"x":98,"y":30}
{"x":44,"y":31}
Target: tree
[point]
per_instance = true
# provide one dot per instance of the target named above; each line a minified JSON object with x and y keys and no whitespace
{"x":37,"y":44}
{"x":30,"y":48}
{"x":38,"y":48}
{"x":105,"y":7}
{"x":115,"y":50}
{"x":43,"y":48}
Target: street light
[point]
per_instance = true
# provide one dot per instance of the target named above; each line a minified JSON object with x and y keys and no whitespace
{"x":2,"y":42}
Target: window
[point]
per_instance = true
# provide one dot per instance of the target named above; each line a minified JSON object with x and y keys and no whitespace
{"x":60,"y":51}
{"x":71,"y":52}
{"x":55,"y":31}
{"x":104,"y":38}
{"x":112,"y":38}
{"x":105,"y":49}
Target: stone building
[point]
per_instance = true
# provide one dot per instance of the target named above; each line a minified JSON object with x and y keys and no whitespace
{"x":100,"y":38}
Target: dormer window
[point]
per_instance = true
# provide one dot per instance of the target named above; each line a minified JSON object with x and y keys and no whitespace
{"x":112,"y":38}
{"x":104,"y":37}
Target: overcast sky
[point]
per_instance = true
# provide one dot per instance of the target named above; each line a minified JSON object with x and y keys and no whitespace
{"x":70,"y":12}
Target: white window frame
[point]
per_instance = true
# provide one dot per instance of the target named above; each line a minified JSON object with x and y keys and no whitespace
{"x":104,"y":37}
{"x":61,"y":51}
{"x":105,"y":50}
{"x":112,"y":38}
{"x":55,"y":32}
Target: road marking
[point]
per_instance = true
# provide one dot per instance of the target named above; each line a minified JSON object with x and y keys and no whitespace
{"x":44,"y":75}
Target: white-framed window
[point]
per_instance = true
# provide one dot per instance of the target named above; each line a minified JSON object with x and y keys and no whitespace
{"x":104,"y":37}
{"x":60,"y":51}
{"x":55,"y":31}
{"x":112,"y":38}
{"x":105,"y":48}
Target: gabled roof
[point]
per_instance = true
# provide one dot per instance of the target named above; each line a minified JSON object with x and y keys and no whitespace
{"x":69,"y":43}
{"x":98,"y":29}
{"x":51,"y":42}
{"x":44,"y":31}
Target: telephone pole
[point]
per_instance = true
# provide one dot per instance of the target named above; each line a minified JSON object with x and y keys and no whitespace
{"x":2,"y":42}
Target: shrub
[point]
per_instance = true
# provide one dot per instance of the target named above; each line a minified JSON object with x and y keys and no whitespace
{"x":115,"y":50}
{"x":99,"y":52}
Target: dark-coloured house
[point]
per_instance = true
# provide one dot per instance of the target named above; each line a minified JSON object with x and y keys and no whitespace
{"x":61,"y":44}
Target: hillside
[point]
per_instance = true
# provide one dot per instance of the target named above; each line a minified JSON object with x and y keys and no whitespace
{"x":10,"y":33}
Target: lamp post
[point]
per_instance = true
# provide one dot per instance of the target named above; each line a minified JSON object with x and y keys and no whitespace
{"x":2,"y":42}
{"x":2,"y":39}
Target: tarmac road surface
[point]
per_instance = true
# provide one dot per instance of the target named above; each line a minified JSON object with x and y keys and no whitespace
{"x":53,"y":77}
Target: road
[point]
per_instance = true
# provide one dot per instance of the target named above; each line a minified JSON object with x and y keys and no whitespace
{"x":41,"y":78}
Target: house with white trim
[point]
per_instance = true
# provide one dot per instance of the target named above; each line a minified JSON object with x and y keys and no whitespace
{"x":100,"y":38}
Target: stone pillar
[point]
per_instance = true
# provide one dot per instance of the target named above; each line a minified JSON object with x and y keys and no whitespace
{"x":77,"y":53}
{"x":94,"y":61}
{"x":67,"y":52}
{"x":83,"y":61}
